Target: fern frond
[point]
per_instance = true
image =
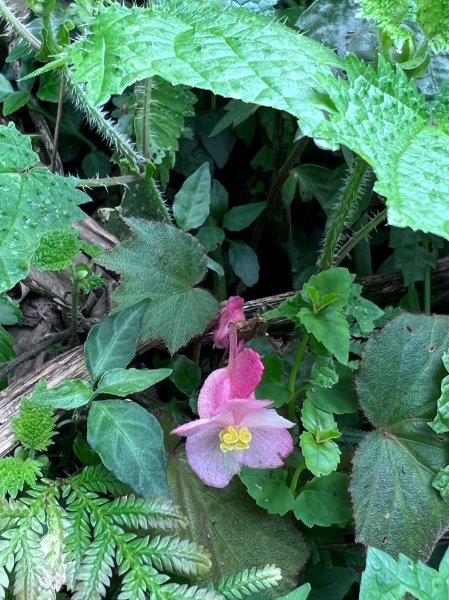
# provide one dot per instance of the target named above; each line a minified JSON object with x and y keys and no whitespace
{"x":174,"y":591}
{"x":15,"y":473}
{"x":96,"y":569}
{"x":145,"y":513}
{"x":99,"y":480}
{"x":138,"y":583}
{"x":172,"y":554}
{"x":249,"y":581}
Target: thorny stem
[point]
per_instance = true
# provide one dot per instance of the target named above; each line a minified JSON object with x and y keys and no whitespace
{"x":339,"y":219}
{"x":18,"y":27}
{"x":293,"y":375}
{"x":359,"y":235}
{"x":108,"y":181}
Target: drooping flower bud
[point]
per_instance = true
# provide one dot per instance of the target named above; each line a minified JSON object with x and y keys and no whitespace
{"x":231,"y":313}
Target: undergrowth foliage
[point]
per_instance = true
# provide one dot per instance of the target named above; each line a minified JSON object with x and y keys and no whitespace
{"x":107,"y":526}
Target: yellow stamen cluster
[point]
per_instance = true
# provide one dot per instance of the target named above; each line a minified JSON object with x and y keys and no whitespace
{"x":234,"y":438}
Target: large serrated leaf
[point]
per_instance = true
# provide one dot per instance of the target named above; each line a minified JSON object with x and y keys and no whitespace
{"x":159,"y":266}
{"x":33,"y":201}
{"x":396,"y":508}
{"x":238,"y":534}
{"x":369,"y":110}
{"x":229,"y":51}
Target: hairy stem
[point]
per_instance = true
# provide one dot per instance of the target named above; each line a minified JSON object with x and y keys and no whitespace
{"x":108,"y":181}
{"x":54,"y":153}
{"x":358,"y":236}
{"x":427,"y":285}
{"x":74,"y":310}
{"x":339,"y":220}
{"x":19,"y":27}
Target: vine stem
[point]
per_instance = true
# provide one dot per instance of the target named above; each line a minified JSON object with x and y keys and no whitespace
{"x":339,"y":219}
{"x":427,"y":285}
{"x":74,"y":310}
{"x":293,"y":375}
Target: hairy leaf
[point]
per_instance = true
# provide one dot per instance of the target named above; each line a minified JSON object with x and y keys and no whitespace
{"x":396,"y":508}
{"x":238,"y":534}
{"x":174,"y":310}
{"x":33,"y":202}
{"x":369,"y":106}
{"x":130,"y":442}
{"x":231,"y":52}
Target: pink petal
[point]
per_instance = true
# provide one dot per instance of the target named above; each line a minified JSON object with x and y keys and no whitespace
{"x":216,"y":390}
{"x":245,"y":373}
{"x":231,"y":313}
{"x":217,"y":422}
{"x":267,"y":448}
{"x":240,"y":410}
{"x":214,"y":467}
{"x":268,"y":419}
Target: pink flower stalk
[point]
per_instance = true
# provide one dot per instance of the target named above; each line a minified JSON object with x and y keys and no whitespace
{"x":231,"y":313}
{"x":235,"y":429}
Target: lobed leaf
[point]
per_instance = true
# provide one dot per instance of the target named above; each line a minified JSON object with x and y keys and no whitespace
{"x":175,"y":310}
{"x":33,"y":202}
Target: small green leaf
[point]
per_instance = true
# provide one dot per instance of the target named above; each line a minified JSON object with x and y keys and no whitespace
{"x":321,"y":458}
{"x":211,"y":237}
{"x":57,"y":250}
{"x":269,"y":489}
{"x":240,"y":217}
{"x":130,"y":442}
{"x":319,"y":422}
{"x":324,"y":501}
{"x":441,"y":482}
{"x":10,"y":313}
{"x":366,"y":313}
{"x":244,"y":262}
{"x":191,"y":203}
{"x":175,"y":310}
{"x":122,"y":382}
{"x":6,"y":346}
{"x":336,"y":282}
{"x":330,"y":328}
{"x":186,"y":375}
{"x":66,"y":396}
{"x":111,"y":344}
{"x":13,"y":102}
{"x":300,"y":593}
{"x":339,"y":398}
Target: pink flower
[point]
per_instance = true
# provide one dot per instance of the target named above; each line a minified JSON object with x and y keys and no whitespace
{"x":231,"y":313}
{"x":234,"y":429}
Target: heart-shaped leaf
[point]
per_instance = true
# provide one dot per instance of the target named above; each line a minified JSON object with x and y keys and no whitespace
{"x":395,"y":506}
